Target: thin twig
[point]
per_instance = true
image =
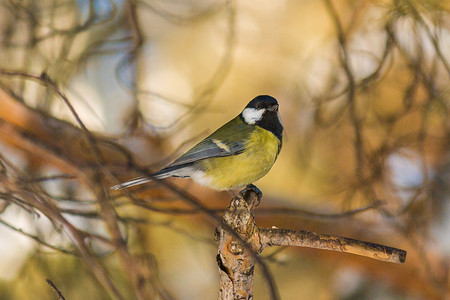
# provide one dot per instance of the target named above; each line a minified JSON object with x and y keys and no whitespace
{"x":38,"y":240}
{"x":55,"y":289}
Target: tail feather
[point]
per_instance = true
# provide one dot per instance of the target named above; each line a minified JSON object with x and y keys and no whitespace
{"x":130,"y":183}
{"x":169,"y":171}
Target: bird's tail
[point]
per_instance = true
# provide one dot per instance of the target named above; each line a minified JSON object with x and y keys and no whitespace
{"x":169,"y":171}
{"x":130,"y":183}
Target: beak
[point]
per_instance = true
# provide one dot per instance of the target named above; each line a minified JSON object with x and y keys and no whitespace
{"x":273,"y":108}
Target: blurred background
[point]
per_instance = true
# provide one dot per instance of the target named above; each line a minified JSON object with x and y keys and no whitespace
{"x":94,"y":92}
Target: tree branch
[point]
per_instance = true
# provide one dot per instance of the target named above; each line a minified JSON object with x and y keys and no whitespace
{"x":236,"y":264}
{"x":302,"y":238}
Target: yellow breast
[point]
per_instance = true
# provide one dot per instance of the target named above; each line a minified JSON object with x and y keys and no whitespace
{"x":261,"y":151}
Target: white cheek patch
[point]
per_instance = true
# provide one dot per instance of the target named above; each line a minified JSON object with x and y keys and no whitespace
{"x":252,"y":115}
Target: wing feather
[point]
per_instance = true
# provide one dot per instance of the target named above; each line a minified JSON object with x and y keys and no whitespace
{"x":209,"y":148}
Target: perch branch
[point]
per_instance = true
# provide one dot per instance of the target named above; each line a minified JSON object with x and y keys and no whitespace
{"x":236,"y":265}
{"x":302,"y":238}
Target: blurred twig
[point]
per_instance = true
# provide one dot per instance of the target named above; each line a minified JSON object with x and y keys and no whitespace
{"x":55,"y":289}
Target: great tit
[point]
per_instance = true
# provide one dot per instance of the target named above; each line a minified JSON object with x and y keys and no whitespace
{"x":235,"y":155}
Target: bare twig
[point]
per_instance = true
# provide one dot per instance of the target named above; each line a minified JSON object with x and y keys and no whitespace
{"x":55,"y":289}
{"x":38,"y":240}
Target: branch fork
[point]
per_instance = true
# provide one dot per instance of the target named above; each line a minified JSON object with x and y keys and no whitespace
{"x":236,"y":261}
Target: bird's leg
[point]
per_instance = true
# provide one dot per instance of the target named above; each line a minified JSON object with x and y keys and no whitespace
{"x":252,"y":188}
{"x":232,"y":194}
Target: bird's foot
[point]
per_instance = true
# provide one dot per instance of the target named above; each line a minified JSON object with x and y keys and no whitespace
{"x":251,"y":188}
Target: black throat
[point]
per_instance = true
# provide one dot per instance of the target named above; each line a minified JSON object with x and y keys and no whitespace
{"x":271,"y":122}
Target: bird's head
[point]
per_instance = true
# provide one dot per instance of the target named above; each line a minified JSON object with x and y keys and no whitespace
{"x":263,"y":111}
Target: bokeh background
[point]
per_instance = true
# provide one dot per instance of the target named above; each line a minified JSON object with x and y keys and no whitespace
{"x":94,"y":92}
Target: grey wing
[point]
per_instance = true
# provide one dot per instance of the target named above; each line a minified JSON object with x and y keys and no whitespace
{"x":208,"y":148}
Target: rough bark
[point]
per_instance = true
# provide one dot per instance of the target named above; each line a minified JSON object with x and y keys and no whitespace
{"x":236,"y":262}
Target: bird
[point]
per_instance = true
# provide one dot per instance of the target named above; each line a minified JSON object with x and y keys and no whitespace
{"x":235,"y":155}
